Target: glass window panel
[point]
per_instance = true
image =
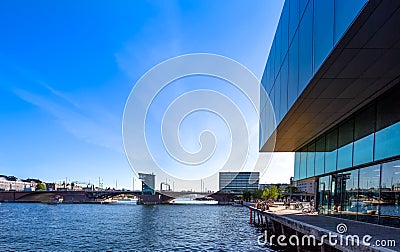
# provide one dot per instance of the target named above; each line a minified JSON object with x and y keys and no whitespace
{"x":278,"y":99}
{"x":302,"y":6}
{"x":272,"y":69}
{"x":303,"y":163}
{"x":284,"y":29}
{"x":390,"y":194}
{"x":363,"y":150}
{"x":345,"y":156}
{"x":305,"y":43}
{"x":324,"y":190}
{"x":350,"y":203}
{"x":346,"y":133}
{"x":296,"y":165}
{"x":369,"y":194}
{"x":278,"y":48}
{"x":331,"y":151}
{"x":388,"y":109}
{"x":323,"y":30}
{"x":364,"y":122}
{"x":387,"y":142}
{"x":293,"y":71}
{"x":272,"y":97}
{"x":311,"y":160}
{"x":266,"y":79}
{"x":284,"y":89}
{"x":293,"y":18}
{"x":345,"y":12}
{"x":320,"y":156}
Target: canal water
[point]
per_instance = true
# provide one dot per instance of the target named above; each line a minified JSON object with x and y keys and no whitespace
{"x":88,"y":227}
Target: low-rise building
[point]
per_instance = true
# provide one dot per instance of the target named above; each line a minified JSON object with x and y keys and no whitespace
{"x":11,"y":183}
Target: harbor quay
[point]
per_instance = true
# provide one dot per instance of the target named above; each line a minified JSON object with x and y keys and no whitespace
{"x":295,"y":230}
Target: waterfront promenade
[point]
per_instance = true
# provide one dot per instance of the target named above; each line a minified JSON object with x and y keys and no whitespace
{"x":295,"y":222}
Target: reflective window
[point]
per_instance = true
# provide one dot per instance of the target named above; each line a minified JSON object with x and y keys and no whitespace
{"x":345,"y":154}
{"x":388,"y":109}
{"x":364,"y":127}
{"x":266,"y":79}
{"x":296,"y":165}
{"x":310,"y":160}
{"x":345,"y":151}
{"x":305,"y":43}
{"x":272,"y":97}
{"x":390,"y":194}
{"x":349,"y":204}
{"x":364,"y":122}
{"x":293,"y":71}
{"x":284,"y":30}
{"x":345,"y":12}
{"x":303,"y":163}
{"x":387,"y":142}
{"x":387,"y":139}
{"x":324,"y":191}
{"x":323,"y":31}
{"x":272,"y":69}
{"x":320,"y":156}
{"x":278,"y":48}
{"x":277,"y":106}
{"x":363,"y":150}
{"x":331,"y":151}
{"x":302,"y":6}
{"x":293,"y":17}
{"x":284,"y":88}
{"x":369,"y":194}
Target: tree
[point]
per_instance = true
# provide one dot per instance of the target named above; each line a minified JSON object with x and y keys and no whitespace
{"x":247,"y":195}
{"x":273,"y":192}
{"x":266,"y":193}
{"x":40,"y":187}
{"x":281,"y":191}
{"x":257,"y":194}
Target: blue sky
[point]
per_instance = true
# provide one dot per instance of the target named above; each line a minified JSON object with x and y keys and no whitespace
{"x":66,"y":70}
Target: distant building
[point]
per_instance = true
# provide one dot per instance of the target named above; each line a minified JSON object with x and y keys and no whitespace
{"x":11,"y":183}
{"x":148,"y":183}
{"x":238,"y":181}
{"x":307,"y":186}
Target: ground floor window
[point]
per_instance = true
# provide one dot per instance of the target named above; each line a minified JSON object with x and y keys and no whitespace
{"x":370,"y":194}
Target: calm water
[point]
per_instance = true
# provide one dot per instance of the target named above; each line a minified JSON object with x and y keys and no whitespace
{"x":126,"y":227}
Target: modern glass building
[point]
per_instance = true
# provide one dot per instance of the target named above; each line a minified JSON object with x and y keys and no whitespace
{"x":332,"y":76}
{"x":238,"y":182}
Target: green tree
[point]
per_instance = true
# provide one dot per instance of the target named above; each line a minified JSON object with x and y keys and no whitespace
{"x":266,"y":193}
{"x":273,"y":192}
{"x":281,"y":191}
{"x":40,"y":187}
{"x":257,"y":194}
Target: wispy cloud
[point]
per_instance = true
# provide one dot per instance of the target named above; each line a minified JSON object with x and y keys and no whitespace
{"x":89,"y":126}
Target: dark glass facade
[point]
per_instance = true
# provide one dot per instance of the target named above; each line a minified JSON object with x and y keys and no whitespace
{"x":307,"y":32}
